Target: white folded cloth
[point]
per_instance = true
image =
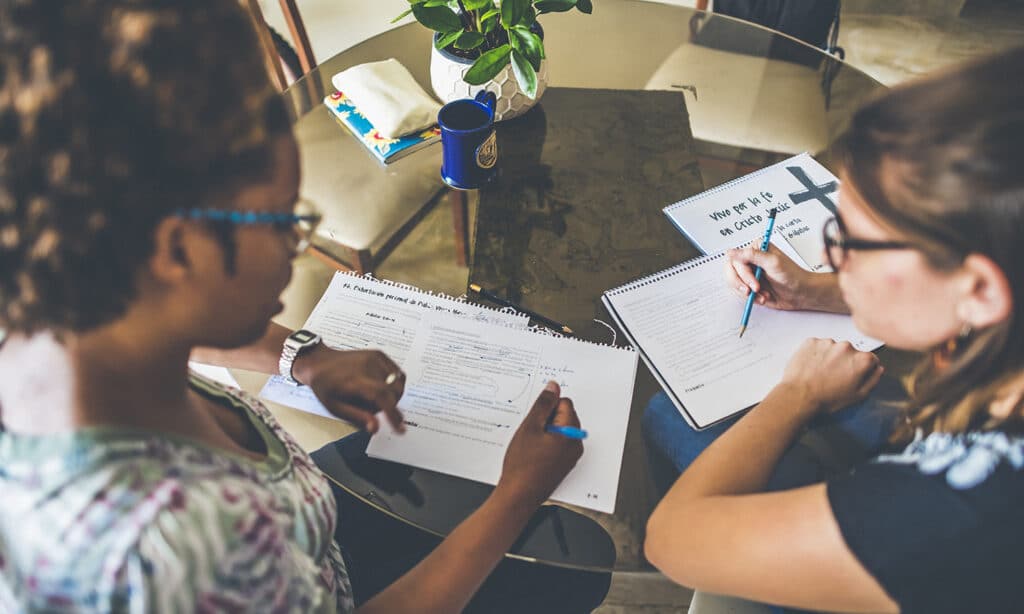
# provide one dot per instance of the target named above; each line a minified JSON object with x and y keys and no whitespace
{"x":388,"y":95}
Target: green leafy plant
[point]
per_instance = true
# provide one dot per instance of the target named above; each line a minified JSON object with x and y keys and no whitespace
{"x":492,"y":33}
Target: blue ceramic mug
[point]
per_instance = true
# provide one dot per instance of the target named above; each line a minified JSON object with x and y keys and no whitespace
{"x":468,"y":141}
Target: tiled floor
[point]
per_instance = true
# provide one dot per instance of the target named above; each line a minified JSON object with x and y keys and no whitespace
{"x":895,"y":48}
{"x":891,"y":48}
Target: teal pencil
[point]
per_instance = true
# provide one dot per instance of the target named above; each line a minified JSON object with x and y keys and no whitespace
{"x":757,"y":271}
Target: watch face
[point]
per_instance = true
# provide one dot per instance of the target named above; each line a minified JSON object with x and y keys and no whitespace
{"x":303,"y":336}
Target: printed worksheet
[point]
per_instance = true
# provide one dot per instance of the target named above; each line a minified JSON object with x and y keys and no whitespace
{"x":470,"y":383}
{"x":365,"y":313}
{"x":472,"y":373}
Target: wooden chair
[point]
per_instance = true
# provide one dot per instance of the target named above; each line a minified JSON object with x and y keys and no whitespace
{"x":355,"y":234}
{"x":277,"y":53}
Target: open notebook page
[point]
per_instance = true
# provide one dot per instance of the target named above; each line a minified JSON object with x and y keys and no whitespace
{"x":685,"y":321}
{"x":470,"y":383}
{"x":357,"y":313}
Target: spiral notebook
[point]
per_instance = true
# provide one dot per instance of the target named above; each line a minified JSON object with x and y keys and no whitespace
{"x":472,"y":373}
{"x":735,"y":213}
{"x":685,"y":323}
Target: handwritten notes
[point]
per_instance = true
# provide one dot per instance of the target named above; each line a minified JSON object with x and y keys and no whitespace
{"x":471,"y":375}
{"x":361,"y":313}
{"x":736,"y":213}
{"x":684,"y":321}
{"x":469,"y":385}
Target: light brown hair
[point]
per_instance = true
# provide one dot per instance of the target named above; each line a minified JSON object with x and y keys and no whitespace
{"x":952,"y":150}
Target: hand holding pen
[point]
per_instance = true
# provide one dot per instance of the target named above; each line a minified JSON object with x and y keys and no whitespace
{"x":757,"y":272}
{"x":537,"y":461}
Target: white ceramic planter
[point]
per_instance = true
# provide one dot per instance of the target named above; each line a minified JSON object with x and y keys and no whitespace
{"x":447,"y":70}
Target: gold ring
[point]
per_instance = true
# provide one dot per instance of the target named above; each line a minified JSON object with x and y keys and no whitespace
{"x":391,"y":378}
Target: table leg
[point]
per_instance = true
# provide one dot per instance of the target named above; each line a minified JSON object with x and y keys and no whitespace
{"x":459,"y":200}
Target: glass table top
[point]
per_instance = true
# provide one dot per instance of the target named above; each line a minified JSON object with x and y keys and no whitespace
{"x":702,"y":99}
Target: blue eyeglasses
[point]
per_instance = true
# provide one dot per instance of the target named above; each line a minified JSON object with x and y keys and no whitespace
{"x":302,"y":222}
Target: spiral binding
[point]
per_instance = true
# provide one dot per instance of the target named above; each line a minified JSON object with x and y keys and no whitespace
{"x":441,"y":295}
{"x":669,"y":272}
{"x":462,"y":299}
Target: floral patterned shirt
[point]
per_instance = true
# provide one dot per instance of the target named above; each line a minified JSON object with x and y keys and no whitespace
{"x":120,"y":520}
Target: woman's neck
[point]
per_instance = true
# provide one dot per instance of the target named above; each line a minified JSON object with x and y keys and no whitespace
{"x":110,"y":377}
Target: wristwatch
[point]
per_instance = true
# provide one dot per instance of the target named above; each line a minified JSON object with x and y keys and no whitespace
{"x":296,"y":343}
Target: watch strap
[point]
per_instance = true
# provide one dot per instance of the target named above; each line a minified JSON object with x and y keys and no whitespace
{"x":296,"y":343}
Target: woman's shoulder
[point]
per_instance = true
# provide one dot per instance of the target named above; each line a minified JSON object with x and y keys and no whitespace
{"x":937,"y":524}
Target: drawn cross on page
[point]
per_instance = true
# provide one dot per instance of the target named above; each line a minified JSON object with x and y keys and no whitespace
{"x":814,"y":191}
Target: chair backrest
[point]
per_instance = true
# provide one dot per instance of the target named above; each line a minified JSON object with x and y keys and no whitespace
{"x":299,"y":36}
{"x":278,"y":54}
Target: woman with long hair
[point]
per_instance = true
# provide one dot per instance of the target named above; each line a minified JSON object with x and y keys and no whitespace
{"x":926,"y":249}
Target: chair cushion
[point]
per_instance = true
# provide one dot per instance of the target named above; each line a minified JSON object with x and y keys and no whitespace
{"x":364,"y":202}
{"x":389,"y":97}
{"x":747,"y":101}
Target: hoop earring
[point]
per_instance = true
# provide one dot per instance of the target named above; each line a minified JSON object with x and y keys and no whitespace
{"x":944,"y":354}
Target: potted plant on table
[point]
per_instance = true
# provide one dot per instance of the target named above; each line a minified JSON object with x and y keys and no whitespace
{"x":493,"y":45}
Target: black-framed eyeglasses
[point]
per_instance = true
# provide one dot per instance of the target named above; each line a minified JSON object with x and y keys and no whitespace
{"x":837,"y":243}
{"x":302,"y":222}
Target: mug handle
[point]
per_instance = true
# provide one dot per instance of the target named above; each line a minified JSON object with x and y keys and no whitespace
{"x":487,"y":98}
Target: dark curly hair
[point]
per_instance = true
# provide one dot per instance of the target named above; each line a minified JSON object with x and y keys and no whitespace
{"x":114,"y":114}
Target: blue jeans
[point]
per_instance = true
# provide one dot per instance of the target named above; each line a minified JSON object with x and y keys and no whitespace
{"x":833,"y":442}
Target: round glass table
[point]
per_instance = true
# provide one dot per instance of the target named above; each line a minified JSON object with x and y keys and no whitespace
{"x":647,"y":104}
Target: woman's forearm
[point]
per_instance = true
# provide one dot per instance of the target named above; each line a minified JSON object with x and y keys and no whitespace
{"x":742,"y":459}
{"x":261,"y":355}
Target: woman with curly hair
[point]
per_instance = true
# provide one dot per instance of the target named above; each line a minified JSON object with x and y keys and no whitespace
{"x":148,"y":207}
{"x":926,"y":249}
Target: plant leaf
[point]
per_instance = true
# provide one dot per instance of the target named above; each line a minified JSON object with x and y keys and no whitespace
{"x":430,"y":3}
{"x":512,"y":11}
{"x":475,"y":5}
{"x":585,"y":6}
{"x":554,"y":6}
{"x":528,"y":44}
{"x":437,"y":18}
{"x":525,"y":74}
{"x":447,"y":39}
{"x":488,"y":65}
{"x":487,"y":25}
{"x":404,"y":14}
{"x":469,"y":40}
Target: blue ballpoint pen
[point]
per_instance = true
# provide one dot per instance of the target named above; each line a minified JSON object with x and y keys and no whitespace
{"x":757,"y":271}
{"x":566,"y":431}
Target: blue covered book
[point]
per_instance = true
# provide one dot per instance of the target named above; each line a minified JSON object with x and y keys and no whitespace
{"x":385,"y":150}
